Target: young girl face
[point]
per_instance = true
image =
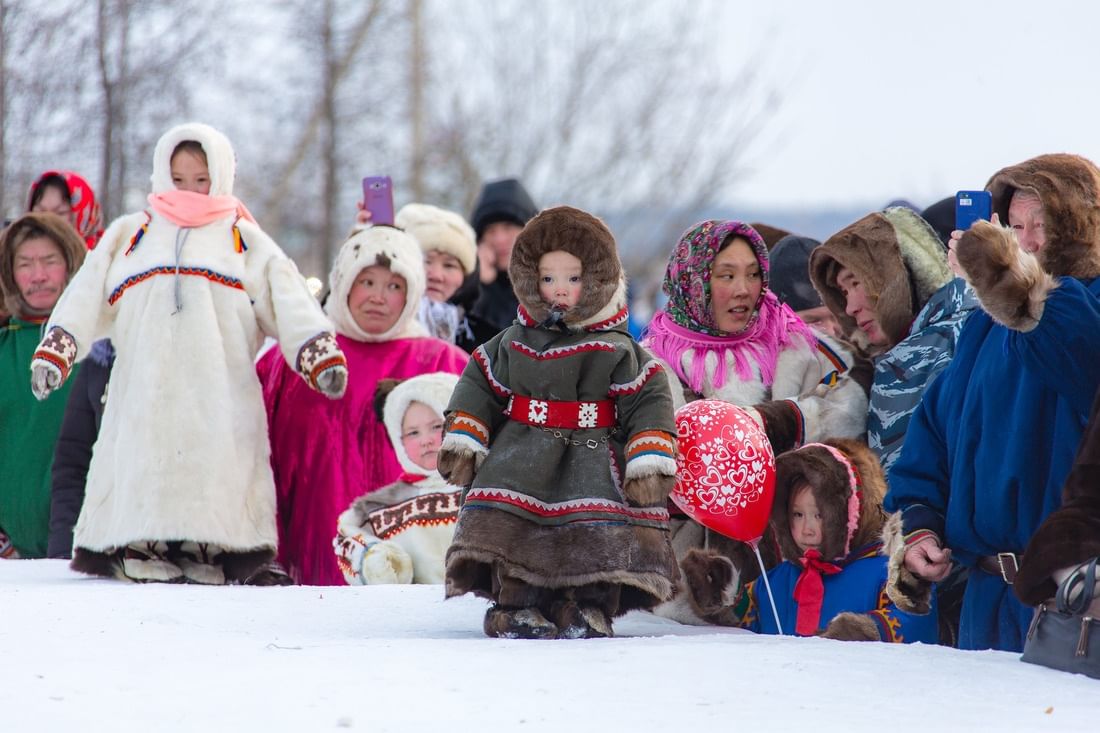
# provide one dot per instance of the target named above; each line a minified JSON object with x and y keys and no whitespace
{"x":735,"y":285}
{"x":560,"y":279}
{"x":376,"y":299}
{"x":421,"y":435}
{"x":189,"y":173}
{"x":805,"y":519}
{"x":444,"y":275}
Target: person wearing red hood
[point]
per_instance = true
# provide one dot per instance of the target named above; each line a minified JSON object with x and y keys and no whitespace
{"x":69,"y":196}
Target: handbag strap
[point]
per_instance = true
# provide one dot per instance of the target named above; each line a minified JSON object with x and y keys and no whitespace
{"x":1068,"y":600}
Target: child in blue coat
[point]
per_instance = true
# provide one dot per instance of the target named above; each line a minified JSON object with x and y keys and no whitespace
{"x":828,"y":519}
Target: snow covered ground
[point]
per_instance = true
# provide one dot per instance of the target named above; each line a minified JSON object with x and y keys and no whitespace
{"x":80,"y":654}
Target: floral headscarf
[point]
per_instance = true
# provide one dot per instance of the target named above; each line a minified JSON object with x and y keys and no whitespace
{"x":687,"y":322}
{"x":82,"y":200}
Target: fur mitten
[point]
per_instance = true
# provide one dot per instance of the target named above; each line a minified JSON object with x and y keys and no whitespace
{"x":651,"y":490}
{"x":366,"y":561}
{"x":458,"y":464}
{"x":7,"y":549}
{"x":324,"y":365}
{"x":909,"y":592}
{"x":711,"y":581}
{"x":849,"y":626}
{"x":1010,"y":283}
{"x":52,"y":362}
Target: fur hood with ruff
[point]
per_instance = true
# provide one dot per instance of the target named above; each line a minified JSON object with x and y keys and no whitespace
{"x":221,"y":161}
{"x":434,"y":390}
{"x":378,"y":245}
{"x":900,"y":261}
{"x":53,"y":227}
{"x":1069,"y":187}
{"x":832,"y":489}
{"x":603,"y":285}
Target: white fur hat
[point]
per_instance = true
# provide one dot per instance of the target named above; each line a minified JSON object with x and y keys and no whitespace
{"x":440,"y":230}
{"x":220,"y":159}
{"x":434,"y":390}
{"x":373,"y":246}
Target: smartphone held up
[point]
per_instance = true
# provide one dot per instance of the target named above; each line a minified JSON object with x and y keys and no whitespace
{"x":378,"y":199}
{"x":970,"y":206}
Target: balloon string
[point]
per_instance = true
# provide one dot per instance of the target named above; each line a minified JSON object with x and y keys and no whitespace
{"x":767,"y":585}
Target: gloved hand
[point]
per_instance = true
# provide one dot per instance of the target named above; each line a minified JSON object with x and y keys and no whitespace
{"x":332,"y":382}
{"x":849,"y":626}
{"x":457,"y":465}
{"x":651,"y":490}
{"x":45,"y":378}
{"x":384,"y":563}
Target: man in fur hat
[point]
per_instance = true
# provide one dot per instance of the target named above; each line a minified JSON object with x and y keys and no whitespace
{"x":990,"y":447}
{"x":39,"y":253}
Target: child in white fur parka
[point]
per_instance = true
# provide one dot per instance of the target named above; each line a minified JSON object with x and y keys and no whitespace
{"x":180,"y":484}
{"x":400,"y":533}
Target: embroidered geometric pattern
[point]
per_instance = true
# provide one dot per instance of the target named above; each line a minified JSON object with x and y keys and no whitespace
{"x":651,"y":443}
{"x":428,"y":510}
{"x":537,"y":411}
{"x":561,"y":413}
{"x":482,"y":359}
{"x":889,"y":626}
{"x":210,"y":275}
{"x":616,"y":320}
{"x":562,"y":351}
{"x":565,"y":512}
{"x":635,"y":385}
{"x":463,"y":423}
{"x":318,"y":354}
{"x":58,"y":349}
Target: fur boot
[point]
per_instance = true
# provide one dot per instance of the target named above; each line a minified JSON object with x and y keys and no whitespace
{"x":518,"y":623}
{"x":147,"y":562}
{"x":577,"y":621}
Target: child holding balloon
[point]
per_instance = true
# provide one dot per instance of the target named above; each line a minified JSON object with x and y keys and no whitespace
{"x":827,"y":515}
{"x":561,"y":433}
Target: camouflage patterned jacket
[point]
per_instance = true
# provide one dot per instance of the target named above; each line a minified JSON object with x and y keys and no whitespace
{"x":905,"y":371}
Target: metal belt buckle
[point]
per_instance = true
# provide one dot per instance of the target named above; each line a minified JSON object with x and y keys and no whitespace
{"x":1008,"y":572}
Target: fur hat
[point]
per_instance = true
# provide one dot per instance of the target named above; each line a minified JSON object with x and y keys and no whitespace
{"x":34,"y":224}
{"x":834,"y":469}
{"x":440,"y":230}
{"x":433,"y":390}
{"x":379,"y":245}
{"x":789,"y":277}
{"x":504,"y":200}
{"x":220,"y":159}
{"x":899,"y":259}
{"x":586,"y":238}
{"x":1069,"y":187}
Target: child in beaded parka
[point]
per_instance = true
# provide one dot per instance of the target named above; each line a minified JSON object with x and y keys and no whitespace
{"x":561,"y":431}
{"x":400,"y":533}
{"x":180,"y":484}
{"x":827,"y":516}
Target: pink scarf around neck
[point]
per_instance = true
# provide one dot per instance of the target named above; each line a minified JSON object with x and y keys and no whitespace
{"x":190,"y":209}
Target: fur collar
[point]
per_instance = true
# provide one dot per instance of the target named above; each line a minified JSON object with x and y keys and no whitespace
{"x":1069,"y":187}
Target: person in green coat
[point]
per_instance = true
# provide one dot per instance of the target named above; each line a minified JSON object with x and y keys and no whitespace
{"x":39,"y":254}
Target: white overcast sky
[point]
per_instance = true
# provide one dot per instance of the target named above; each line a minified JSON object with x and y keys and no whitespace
{"x":916,"y":99}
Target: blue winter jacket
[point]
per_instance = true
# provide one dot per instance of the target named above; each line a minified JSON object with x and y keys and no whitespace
{"x":860,"y":587}
{"x":992,"y":442}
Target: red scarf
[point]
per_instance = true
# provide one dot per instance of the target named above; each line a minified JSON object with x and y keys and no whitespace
{"x":190,"y":209}
{"x":809,"y":592}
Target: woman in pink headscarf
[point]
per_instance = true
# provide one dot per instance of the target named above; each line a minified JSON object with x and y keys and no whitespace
{"x":69,"y":196}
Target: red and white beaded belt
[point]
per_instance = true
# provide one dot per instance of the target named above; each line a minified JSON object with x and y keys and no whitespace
{"x":561,"y":414}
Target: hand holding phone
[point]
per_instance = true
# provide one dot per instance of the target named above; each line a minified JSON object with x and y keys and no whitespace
{"x":970,"y":206}
{"x":378,"y":199}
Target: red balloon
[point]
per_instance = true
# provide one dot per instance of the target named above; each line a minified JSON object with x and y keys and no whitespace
{"x":725,"y":470}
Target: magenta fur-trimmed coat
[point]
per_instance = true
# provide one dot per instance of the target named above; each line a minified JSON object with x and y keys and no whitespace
{"x":326,"y":453}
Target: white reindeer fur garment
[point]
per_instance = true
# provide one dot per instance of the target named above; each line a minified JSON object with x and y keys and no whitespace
{"x":183,"y":451}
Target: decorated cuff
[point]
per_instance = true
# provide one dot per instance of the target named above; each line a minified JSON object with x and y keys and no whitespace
{"x":918,"y":521}
{"x":650,"y":452}
{"x":466,"y":431}
{"x":318,"y":354}
{"x":58,"y":348}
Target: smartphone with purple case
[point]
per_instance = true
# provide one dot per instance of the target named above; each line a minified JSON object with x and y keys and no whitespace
{"x":971,"y":206}
{"x":378,"y":199}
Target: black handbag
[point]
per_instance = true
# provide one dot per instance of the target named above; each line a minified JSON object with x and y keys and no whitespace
{"x":1062,"y":635}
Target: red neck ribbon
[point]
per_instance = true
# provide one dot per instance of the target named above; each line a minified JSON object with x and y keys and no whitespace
{"x":809,"y":592}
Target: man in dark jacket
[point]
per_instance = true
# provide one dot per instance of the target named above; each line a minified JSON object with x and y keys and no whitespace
{"x":502,"y":209}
